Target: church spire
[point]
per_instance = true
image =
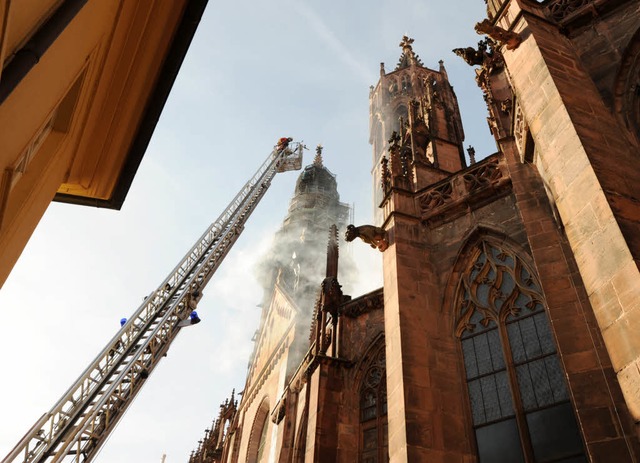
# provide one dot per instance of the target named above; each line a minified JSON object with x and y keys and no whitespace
{"x":332,"y":253}
{"x":420,"y":106}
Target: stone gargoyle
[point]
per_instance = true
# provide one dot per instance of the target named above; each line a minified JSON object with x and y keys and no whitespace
{"x":375,"y":237}
{"x":471,"y":56}
{"x":498,"y":34}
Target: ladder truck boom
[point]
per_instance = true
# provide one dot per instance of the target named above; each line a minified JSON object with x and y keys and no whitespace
{"x":81,"y":421}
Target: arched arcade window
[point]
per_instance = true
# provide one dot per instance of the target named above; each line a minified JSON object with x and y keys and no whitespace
{"x":519,"y":400}
{"x":373,"y":411}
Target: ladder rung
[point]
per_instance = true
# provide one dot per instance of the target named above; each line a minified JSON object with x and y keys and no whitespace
{"x":198,"y":264}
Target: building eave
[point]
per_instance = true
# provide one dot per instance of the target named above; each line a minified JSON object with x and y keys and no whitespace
{"x":184,"y":35}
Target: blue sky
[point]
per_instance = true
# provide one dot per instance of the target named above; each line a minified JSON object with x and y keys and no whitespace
{"x":256,"y":71}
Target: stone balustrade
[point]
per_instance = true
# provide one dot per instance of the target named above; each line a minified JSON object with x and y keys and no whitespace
{"x":468,"y":189}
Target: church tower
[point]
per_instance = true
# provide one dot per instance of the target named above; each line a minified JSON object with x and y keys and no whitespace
{"x":294,"y":266}
{"x":296,"y":258}
{"x":416,"y":105}
{"x":291,"y":274}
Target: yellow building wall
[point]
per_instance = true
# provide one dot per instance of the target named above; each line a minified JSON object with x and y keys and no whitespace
{"x":68,"y":125}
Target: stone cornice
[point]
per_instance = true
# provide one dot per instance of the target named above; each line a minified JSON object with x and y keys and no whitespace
{"x":364,"y":304}
{"x":261,"y":378}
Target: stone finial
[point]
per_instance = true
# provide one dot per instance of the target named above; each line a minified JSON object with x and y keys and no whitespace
{"x":317,"y":161}
{"x":442,"y":70}
{"x":472,"y":154}
{"x":382,"y":71}
{"x":405,"y":44}
{"x":408,"y":57}
{"x":407,"y":50}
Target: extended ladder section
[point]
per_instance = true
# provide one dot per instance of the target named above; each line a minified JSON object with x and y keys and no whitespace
{"x":79,"y":424}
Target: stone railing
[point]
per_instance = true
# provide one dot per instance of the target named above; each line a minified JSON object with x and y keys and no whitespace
{"x":569,"y":13}
{"x":563,"y":12}
{"x":465,"y":190}
{"x":559,"y":10}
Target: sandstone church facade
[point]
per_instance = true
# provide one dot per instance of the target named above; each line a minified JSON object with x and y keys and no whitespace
{"x":507,"y":326}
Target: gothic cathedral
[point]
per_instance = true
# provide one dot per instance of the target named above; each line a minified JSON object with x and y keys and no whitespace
{"x":507,"y":329}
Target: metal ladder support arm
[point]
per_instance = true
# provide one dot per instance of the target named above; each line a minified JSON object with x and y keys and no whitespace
{"x":78,"y":424}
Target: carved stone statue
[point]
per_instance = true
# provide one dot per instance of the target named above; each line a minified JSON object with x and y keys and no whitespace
{"x":509,"y":38}
{"x":385,"y":174}
{"x":394,"y":141}
{"x":375,"y":237}
{"x":417,"y":135}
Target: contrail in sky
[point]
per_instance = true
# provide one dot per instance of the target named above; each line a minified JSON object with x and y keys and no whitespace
{"x":329,"y":37}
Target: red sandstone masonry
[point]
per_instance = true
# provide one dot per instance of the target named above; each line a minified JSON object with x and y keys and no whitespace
{"x":595,"y":406}
{"x":419,"y":357}
{"x":593,"y":175}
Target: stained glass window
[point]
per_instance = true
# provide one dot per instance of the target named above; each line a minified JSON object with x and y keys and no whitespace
{"x":373,"y":411}
{"x":515,"y":382}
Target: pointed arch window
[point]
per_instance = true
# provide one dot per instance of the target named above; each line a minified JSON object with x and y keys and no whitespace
{"x":373,"y":411}
{"x":262,"y":444}
{"x":258,"y":442}
{"x":519,"y":400}
{"x":405,"y":83}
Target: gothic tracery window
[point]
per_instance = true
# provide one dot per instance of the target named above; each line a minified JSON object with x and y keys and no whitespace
{"x":627,"y":88}
{"x":518,"y":397}
{"x":373,"y":411}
